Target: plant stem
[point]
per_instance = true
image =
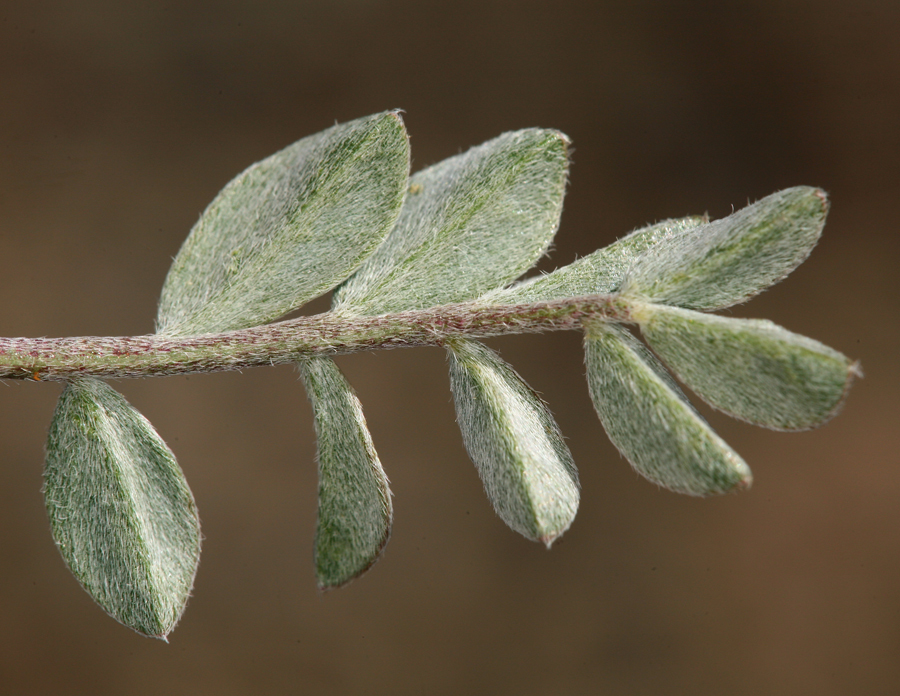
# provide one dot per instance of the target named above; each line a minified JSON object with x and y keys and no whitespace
{"x":290,"y":341}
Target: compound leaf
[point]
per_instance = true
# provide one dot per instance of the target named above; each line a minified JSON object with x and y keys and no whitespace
{"x":751,"y":369}
{"x":354,"y":519}
{"x":469,"y":224}
{"x":651,"y":422}
{"x":120,"y":510}
{"x":289,"y":228}
{"x":526,"y":468}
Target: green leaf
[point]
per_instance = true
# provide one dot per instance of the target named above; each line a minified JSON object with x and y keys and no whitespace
{"x":469,"y":224}
{"x":526,"y":468}
{"x":728,"y":261}
{"x":751,"y":369}
{"x":355,"y":511}
{"x":289,"y":228}
{"x":120,"y":510}
{"x":651,"y":422}
{"x":599,"y":273}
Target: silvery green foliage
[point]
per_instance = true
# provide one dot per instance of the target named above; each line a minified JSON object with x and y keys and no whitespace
{"x":728,"y":261}
{"x":120,"y":510}
{"x":284,"y":231}
{"x":288,"y":228}
{"x":527,"y":470}
{"x":599,"y":273}
{"x":354,"y":520}
{"x":469,"y":224}
{"x":338,"y":207}
{"x":796,"y":382}
{"x":650,"y":420}
{"x":751,"y":369}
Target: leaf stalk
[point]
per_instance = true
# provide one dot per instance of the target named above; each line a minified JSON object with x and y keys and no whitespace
{"x":331,"y":333}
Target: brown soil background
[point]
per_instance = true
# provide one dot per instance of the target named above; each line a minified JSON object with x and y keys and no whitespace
{"x":120,"y":121}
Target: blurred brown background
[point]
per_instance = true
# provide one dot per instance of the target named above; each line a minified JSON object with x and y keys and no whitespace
{"x":120,"y":121}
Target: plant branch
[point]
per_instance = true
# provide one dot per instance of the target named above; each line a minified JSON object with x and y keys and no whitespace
{"x":283,"y":342}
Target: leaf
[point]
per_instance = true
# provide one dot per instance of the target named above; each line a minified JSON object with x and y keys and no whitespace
{"x":120,"y":510}
{"x":751,"y":369}
{"x":469,"y":224}
{"x":289,"y":228}
{"x":526,"y":468}
{"x":355,"y":512}
{"x":728,"y":261}
{"x":651,"y":422}
{"x":599,"y":273}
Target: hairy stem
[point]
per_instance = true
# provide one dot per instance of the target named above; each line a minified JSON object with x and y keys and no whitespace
{"x":290,"y":341}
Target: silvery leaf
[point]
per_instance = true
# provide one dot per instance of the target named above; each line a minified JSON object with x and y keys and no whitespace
{"x":728,"y":261}
{"x":599,"y":273}
{"x":651,"y":422}
{"x":120,"y":510}
{"x":526,"y":468}
{"x":751,"y":369}
{"x":469,"y":224}
{"x":354,"y":520}
{"x":289,"y":228}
